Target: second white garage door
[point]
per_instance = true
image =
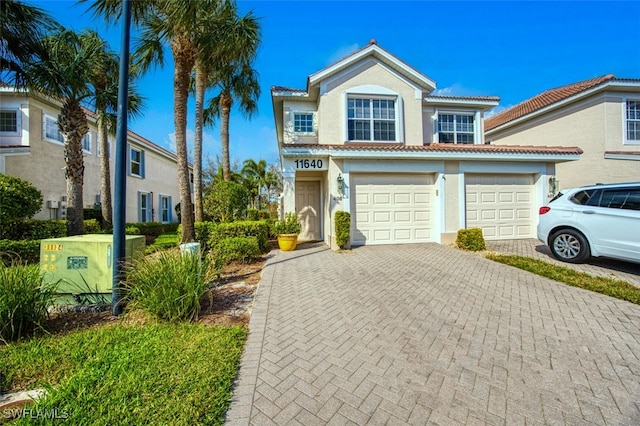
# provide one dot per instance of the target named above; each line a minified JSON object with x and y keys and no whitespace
{"x":502,"y":205}
{"x":388,"y":209}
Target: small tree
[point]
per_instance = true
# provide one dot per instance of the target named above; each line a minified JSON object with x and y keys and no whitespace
{"x":226,"y":202}
{"x":19,"y":200}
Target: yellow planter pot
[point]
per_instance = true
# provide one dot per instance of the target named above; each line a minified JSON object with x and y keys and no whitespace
{"x":287,"y":242}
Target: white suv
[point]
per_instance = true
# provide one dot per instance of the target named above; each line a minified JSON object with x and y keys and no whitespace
{"x":597,"y":220}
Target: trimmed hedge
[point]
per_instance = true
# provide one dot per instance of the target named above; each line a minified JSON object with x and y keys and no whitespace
{"x":241,"y":249}
{"x":258,"y":229}
{"x":343,"y":228}
{"x":470,"y":239}
{"x":92,"y":226}
{"x":26,"y":251}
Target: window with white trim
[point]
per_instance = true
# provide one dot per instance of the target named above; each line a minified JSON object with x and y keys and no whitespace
{"x":136,"y":162}
{"x":10,"y":122}
{"x":303,"y":122}
{"x":86,"y":142}
{"x":456,"y":128}
{"x":50,"y":129}
{"x":144,"y":207}
{"x":165,"y":208}
{"x":371,"y":119}
{"x":633,"y":121}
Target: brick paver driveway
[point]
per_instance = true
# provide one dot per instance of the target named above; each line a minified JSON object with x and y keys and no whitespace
{"x":427,"y":334}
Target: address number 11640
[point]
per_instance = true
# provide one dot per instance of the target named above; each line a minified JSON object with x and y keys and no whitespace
{"x":308,"y":164}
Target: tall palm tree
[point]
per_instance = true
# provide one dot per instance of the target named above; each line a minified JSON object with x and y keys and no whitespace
{"x":22,"y":29}
{"x":104,"y":76}
{"x":65,"y":76}
{"x":221,"y":37}
{"x":257,"y":174}
{"x":167,"y":22}
{"x":234,"y":81}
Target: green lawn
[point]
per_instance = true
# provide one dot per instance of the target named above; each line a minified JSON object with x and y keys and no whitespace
{"x":178,"y":374}
{"x":609,"y":286}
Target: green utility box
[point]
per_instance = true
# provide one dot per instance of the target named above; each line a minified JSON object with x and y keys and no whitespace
{"x":83,"y":265}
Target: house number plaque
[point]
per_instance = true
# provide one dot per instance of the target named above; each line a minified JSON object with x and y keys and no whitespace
{"x":315,"y":164}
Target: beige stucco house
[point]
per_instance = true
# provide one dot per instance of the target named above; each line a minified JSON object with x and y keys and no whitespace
{"x":368,"y":136}
{"x":32,"y":148}
{"x":599,"y":115}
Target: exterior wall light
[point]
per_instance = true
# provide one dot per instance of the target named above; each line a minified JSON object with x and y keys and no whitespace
{"x":340,"y":184}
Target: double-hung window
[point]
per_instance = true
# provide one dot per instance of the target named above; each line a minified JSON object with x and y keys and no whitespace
{"x":9,"y":122}
{"x":86,"y":142}
{"x":633,"y":121}
{"x":144,"y":207}
{"x":50,"y":129}
{"x":371,"y":119}
{"x":456,"y":128}
{"x":303,"y":122}
{"x":136,"y":162}
{"x":165,"y":208}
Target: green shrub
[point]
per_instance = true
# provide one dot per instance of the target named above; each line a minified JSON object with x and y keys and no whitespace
{"x":265,"y":215}
{"x":226,"y":202}
{"x":92,"y":214}
{"x":203,"y":233}
{"x":163,"y":242}
{"x":343,"y":228}
{"x":24,"y":299}
{"x":149,"y":228}
{"x":91,"y":226}
{"x":170,"y":227}
{"x":169,"y":285}
{"x":132,"y":230}
{"x":241,"y":249}
{"x":19,"y":200}
{"x":470,"y":239}
{"x":258,"y":229}
{"x":289,"y":225}
{"x":43,"y":229}
{"x":252,"y":214}
{"x":24,"y":251}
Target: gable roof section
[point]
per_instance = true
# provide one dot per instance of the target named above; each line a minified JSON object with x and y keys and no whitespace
{"x":552,"y":97}
{"x":372,"y":49}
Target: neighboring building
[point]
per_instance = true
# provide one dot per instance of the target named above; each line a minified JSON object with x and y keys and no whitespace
{"x":600,"y":115}
{"x":368,"y":137}
{"x":32,"y":148}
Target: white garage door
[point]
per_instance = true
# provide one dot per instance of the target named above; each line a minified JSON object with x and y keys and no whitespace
{"x":502,"y":205}
{"x":392,"y":208}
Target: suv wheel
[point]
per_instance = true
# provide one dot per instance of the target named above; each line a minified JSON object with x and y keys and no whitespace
{"x":570,"y":246}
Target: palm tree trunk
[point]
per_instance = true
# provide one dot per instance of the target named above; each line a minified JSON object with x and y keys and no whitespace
{"x":72,"y":123}
{"x":105,"y":175}
{"x":201,"y":85}
{"x":184,"y":58}
{"x":225,"y":111}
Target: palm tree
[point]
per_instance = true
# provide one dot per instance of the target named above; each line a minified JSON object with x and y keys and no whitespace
{"x":22,"y":29}
{"x":221,"y":37}
{"x":162,"y":22}
{"x":104,"y":78}
{"x":65,"y":76}
{"x":257,"y":175}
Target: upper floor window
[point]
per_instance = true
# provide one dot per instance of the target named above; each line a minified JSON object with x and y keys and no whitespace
{"x":370,"y":119}
{"x":136,"y":162}
{"x":303,"y":122}
{"x":50,"y":129}
{"x":633,"y":121}
{"x":9,"y":122}
{"x":456,"y":128}
{"x":86,"y":142}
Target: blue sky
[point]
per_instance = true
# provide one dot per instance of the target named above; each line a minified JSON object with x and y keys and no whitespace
{"x":510,"y":49}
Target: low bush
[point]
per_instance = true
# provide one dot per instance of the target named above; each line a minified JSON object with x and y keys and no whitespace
{"x":169,"y":285}
{"x":470,"y":239}
{"x":203,"y":232}
{"x":226,"y":202}
{"x":24,"y":299}
{"x":132,"y":230}
{"x":252,"y":214}
{"x":92,"y":214}
{"x":19,"y":200}
{"x":92,"y":226}
{"x":343,"y":228}
{"x":23,"y":252}
{"x":149,"y":228}
{"x":240,"y":249}
{"x":258,"y":229}
{"x":289,"y":225}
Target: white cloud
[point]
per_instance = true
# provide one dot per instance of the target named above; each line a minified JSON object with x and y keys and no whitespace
{"x":454,"y":90}
{"x":494,"y":111}
{"x":342,"y":52}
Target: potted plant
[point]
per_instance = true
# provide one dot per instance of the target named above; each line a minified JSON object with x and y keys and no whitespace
{"x":287,"y":231}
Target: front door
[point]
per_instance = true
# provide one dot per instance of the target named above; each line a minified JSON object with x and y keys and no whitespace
{"x":308,"y":209}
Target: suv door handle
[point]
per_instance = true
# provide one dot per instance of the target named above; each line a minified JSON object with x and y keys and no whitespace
{"x":589,"y":212}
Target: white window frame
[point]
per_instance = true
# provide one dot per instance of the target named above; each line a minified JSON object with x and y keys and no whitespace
{"x":313,"y":122}
{"x":47,"y":117}
{"x":145,"y":214}
{"x":372,"y":98}
{"x":456,"y":124}
{"x":626,"y":120}
{"x":140,"y":162}
{"x":87,"y":140}
{"x":18,"y":116}
{"x":168,"y":209}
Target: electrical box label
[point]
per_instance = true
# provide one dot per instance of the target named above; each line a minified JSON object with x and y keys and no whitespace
{"x":52,"y":247}
{"x":77,"y":262}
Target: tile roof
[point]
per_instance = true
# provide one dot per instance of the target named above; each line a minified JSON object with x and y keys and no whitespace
{"x":544,"y":99}
{"x":466,"y":98}
{"x":275,"y":89}
{"x":445,"y":147}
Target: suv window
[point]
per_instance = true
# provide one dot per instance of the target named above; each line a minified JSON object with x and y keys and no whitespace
{"x":628,"y":199}
{"x":587,"y":197}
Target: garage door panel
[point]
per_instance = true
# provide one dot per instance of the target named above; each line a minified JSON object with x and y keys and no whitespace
{"x":405,"y":218}
{"x":502,"y":205}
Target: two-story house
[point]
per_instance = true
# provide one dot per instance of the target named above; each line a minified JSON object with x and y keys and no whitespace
{"x":367,"y":136}
{"x":32,"y":148}
{"x":600,"y":115}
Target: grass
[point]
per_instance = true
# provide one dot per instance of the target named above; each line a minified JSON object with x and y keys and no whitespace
{"x":162,"y":242}
{"x":178,"y":374}
{"x":609,"y":286}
